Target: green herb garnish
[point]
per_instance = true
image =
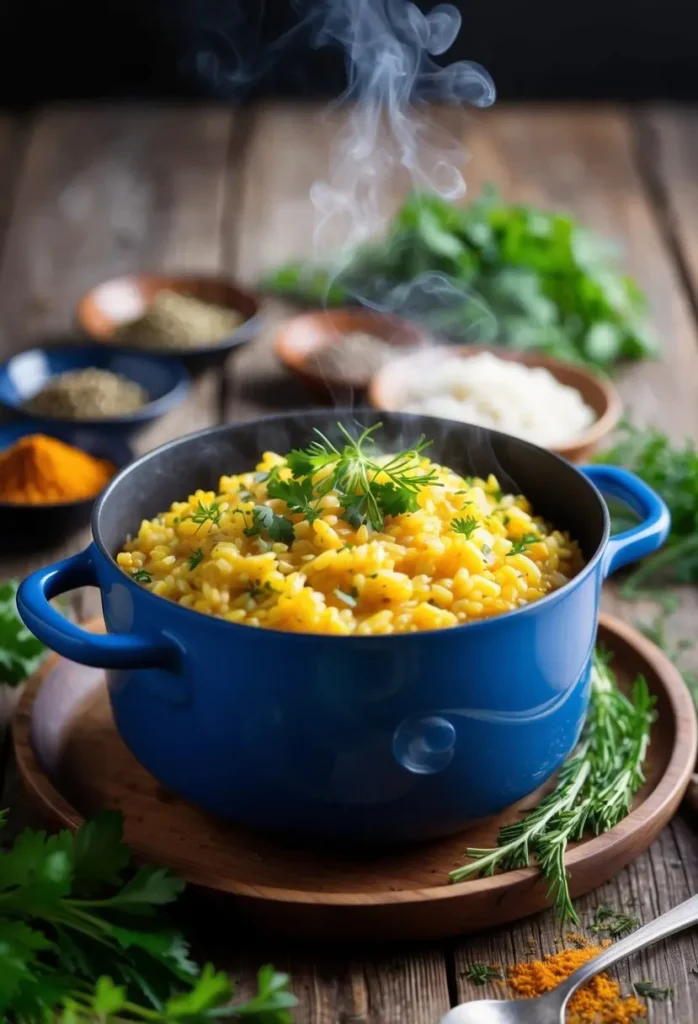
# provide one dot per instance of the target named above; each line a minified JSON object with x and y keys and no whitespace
{"x":480,"y":974}
{"x":464,"y":526}
{"x":83,"y":939}
{"x":518,"y":275}
{"x":20,"y":652}
{"x":203,"y":514}
{"x":141,"y":576}
{"x":613,"y":922}
{"x":649,"y":990}
{"x":353,"y":469}
{"x":195,"y":558}
{"x":520,"y":545}
{"x":298,"y":494}
{"x":594,"y":790}
{"x":277,"y":528}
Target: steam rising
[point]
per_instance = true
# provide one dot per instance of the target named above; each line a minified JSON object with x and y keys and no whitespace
{"x":389,"y":45}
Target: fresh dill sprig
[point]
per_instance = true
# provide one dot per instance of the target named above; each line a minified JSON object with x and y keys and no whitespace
{"x":352,"y":469}
{"x":594,"y":789}
{"x":205,"y":514}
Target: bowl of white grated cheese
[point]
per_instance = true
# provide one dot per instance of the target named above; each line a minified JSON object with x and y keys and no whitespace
{"x":561,"y":406}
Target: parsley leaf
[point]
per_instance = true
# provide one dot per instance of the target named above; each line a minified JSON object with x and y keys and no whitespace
{"x":195,"y":558}
{"x":277,"y":528}
{"x":520,"y":545}
{"x":464,"y":526}
{"x":299,"y":495}
{"x":20,"y":652}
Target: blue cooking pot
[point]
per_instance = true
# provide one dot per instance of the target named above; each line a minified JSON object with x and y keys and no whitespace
{"x":370,"y":738}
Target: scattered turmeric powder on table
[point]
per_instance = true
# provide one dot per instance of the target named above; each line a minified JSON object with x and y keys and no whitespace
{"x":43,"y":470}
{"x":600,"y":1000}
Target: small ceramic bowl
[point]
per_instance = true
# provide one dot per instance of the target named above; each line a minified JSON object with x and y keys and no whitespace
{"x":121,"y":299}
{"x":32,"y":527}
{"x":165,"y":380}
{"x":300,"y":338}
{"x":389,"y":386}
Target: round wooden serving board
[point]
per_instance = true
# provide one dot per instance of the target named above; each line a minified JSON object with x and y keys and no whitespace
{"x":74,"y":763}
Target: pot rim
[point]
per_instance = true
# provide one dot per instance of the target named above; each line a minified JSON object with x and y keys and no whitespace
{"x":480,"y":624}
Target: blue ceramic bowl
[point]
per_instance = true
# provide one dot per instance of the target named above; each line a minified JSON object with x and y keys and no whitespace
{"x":165,"y":380}
{"x":368,"y":738}
{"x":34,"y":527}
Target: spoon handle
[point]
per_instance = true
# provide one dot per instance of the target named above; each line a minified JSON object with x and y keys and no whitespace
{"x":673,"y":921}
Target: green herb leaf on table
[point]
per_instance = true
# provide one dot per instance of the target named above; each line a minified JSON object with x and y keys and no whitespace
{"x":649,"y":990}
{"x":515,"y":274}
{"x":613,"y":922}
{"x":480,"y":974}
{"x":21,"y":653}
{"x":82,"y":936}
{"x":594,"y":789}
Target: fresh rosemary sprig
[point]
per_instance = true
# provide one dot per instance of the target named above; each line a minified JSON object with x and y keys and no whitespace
{"x":594,"y":789}
{"x":352,"y":474}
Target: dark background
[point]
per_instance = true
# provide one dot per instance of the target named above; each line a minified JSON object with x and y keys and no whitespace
{"x":177,"y":49}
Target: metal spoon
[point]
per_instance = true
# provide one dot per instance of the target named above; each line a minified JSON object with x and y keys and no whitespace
{"x":550,"y":1008}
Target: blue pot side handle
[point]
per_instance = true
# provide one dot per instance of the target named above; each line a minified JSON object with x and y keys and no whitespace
{"x":118,"y":651}
{"x":649,"y":534}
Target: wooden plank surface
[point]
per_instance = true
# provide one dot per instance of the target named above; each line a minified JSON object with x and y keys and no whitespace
{"x":107,"y":191}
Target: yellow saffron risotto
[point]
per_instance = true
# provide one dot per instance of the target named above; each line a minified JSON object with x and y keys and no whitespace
{"x":467,"y":552}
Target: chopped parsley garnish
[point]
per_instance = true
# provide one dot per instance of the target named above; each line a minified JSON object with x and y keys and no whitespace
{"x":277,"y":528}
{"x":298,"y":494}
{"x":465,"y":525}
{"x":141,"y":576}
{"x":520,"y":545}
{"x":195,"y":558}
{"x":256,"y":592}
{"x":351,"y":472}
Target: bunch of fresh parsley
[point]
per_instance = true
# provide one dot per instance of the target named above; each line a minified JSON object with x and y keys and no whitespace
{"x":82,"y":939}
{"x":488,"y":272}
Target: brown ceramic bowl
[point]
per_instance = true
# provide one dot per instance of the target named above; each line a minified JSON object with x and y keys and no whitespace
{"x":111,"y":303}
{"x":298,"y":339}
{"x":388,"y":387}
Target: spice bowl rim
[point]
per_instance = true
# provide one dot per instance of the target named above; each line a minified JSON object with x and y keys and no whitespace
{"x":121,"y":457}
{"x":327,"y":326}
{"x":89,"y":320}
{"x":597,"y":389}
{"x":153,"y":409}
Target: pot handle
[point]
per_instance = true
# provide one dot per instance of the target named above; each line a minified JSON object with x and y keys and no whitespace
{"x":120,"y":651}
{"x":649,"y":534}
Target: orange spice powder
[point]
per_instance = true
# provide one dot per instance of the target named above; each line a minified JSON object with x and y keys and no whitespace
{"x":599,"y":1000}
{"x":43,"y":470}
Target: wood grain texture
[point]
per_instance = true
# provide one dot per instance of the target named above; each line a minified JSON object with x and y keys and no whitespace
{"x":588,"y":162}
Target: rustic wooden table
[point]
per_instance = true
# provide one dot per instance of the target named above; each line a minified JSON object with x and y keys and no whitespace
{"x":85,"y":194}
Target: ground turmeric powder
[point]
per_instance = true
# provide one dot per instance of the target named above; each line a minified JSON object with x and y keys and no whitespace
{"x":43,"y":470}
{"x":599,"y":1000}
